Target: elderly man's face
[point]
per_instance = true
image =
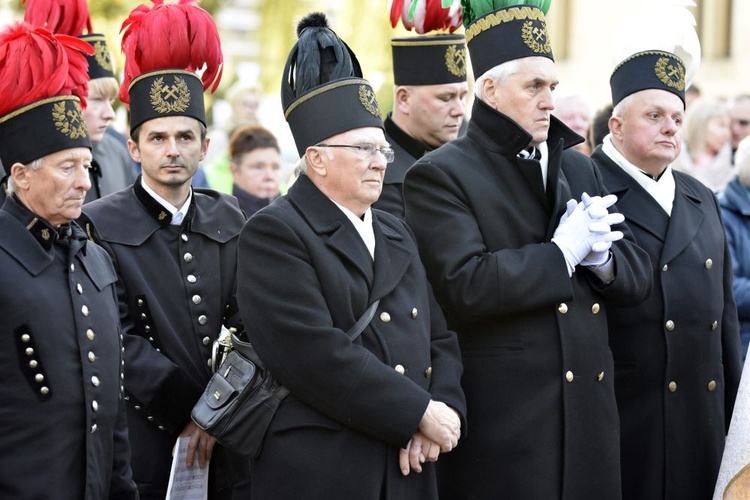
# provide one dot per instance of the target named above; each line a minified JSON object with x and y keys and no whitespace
{"x":526,"y":96}
{"x":56,"y":190}
{"x":434,"y":112}
{"x":647,"y":133}
{"x":351,"y":177}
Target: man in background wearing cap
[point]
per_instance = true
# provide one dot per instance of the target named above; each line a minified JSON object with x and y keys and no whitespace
{"x":364,"y":417}
{"x":428,"y":109}
{"x":677,"y":354}
{"x":63,"y":429}
{"x":520,"y":267}
{"x":174,"y":248}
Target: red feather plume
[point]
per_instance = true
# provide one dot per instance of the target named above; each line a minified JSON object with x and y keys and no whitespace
{"x":171,"y":36}
{"x":67,"y":17}
{"x":36,"y":64}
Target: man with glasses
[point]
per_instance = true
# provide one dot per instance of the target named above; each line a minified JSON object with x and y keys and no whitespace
{"x":364,"y":416}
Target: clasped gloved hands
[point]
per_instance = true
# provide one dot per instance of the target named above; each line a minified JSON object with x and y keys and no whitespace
{"x":584,"y":234}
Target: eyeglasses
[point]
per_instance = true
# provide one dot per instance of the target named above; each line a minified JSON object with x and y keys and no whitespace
{"x":366,"y":150}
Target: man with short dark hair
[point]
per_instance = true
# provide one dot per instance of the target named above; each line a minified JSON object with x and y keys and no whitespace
{"x":175,"y":251}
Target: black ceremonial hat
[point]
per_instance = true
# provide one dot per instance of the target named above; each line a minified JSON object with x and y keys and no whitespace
{"x":507,"y":34}
{"x":429,"y":60}
{"x":100,"y":64}
{"x":170,"y":92}
{"x":648,"y":70}
{"x":322,"y":90}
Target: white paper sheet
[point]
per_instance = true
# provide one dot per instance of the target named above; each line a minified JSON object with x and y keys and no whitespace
{"x":184,"y":483}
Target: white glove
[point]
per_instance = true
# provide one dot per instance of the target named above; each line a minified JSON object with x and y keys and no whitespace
{"x":572,"y":235}
{"x":602,"y":228}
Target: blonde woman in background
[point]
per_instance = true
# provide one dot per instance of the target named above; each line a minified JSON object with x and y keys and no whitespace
{"x":707,"y":149}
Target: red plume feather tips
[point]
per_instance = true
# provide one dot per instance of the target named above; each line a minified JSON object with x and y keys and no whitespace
{"x":67,"y":17}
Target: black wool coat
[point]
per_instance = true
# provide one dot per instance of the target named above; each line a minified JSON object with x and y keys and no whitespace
{"x":176,"y":288}
{"x":538,"y":372}
{"x":305,"y":278}
{"x":63,"y":429}
{"x":677,"y":354}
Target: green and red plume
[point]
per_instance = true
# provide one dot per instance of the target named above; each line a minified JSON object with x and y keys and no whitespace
{"x":474,"y":9}
{"x":171,"y":36}
{"x":66,"y":17}
{"x":37,"y":64}
{"x":424,"y":16}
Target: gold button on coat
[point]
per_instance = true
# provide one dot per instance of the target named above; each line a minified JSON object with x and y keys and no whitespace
{"x":428,"y":372}
{"x":669,"y":325}
{"x":400,"y":369}
{"x":595,"y":309}
{"x":569,"y":376}
{"x":385,"y":317}
{"x":600,"y":377}
{"x":92,"y":356}
{"x":90,"y":334}
{"x":672,"y":386}
{"x":562,"y":308}
{"x":714,"y":325}
{"x":709,"y":263}
{"x":712,"y":385}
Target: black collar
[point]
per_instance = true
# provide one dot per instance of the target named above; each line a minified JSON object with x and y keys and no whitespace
{"x":412,"y":146}
{"x":43,"y":232}
{"x":155,"y":209}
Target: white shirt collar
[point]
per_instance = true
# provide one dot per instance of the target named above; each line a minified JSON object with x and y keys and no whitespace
{"x":661,"y":190}
{"x":363,"y":227}
{"x":177,"y":215}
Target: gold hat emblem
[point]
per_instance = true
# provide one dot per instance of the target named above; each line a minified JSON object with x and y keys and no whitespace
{"x":170,"y":98}
{"x":535,"y":37}
{"x":455,"y":60}
{"x":101,"y":54}
{"x":69,"y":122}
{"x":368,"y":100}
{"x":671,"y":73}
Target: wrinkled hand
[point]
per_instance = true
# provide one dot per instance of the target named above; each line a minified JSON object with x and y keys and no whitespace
{"x":440,"y":423}
{"x":419,"y":450}
{"x":201,"y":444}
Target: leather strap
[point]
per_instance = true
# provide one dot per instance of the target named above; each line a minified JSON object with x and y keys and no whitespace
{"x":363,"y":321}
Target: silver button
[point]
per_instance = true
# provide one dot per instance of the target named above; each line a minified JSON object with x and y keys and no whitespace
{"x":39,"y":378}
{"x":670,"y":325}
{"x":44,"y":391}
{"x":85,"y":310}
{"x":191,"y":278}
{"x":206,"y":340}
{"x":188,"y":257}
{"x":29,"y":351}
{"x":709,"y":263}
{"x":595,"y":308}
{"x":93,"y":428}
{"x":90,"y":334}
{"x":137,"y":408}
{"x":150,"y":418}
{"x":202,"y":319}
{"x":562,"y":308}
{"x":143,"y":316}
{"x":25,"y":338}
{"x":414,"y":312}
{"x":569,"y":376}
{"x":147,"y":328}
{"x":140,"y":302}
{"x":714,"y":325}
{"x":95,"y":381}
{"x":72,"y":268}
{"x":209,"y":362}
{"x":385,"y":317}
{"x":95,"y":405}
{"x":665,"y":268}
{"x":184,"y":237}
{"x":400,"y":369}
{"x":161,"y":427}
{"x":33,"y":364}
{"x":672,"y":386}
{"x":92,"y":356}
{"x":79,"y":288}
{"x":197,"y":299}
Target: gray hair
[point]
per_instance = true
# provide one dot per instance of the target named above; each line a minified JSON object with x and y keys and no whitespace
{"x":622,"y":107}
{"x":34,"y":165}
{"x":301,"y":167}
{"x":497,"y":74}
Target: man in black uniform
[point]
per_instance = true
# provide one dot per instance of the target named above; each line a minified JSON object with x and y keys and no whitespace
{"x":63,"y":429}
{"x":677,"y":354}
{"x":520,"y":267}
{"x":175,"y":251}
{"x":428,"y":106}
